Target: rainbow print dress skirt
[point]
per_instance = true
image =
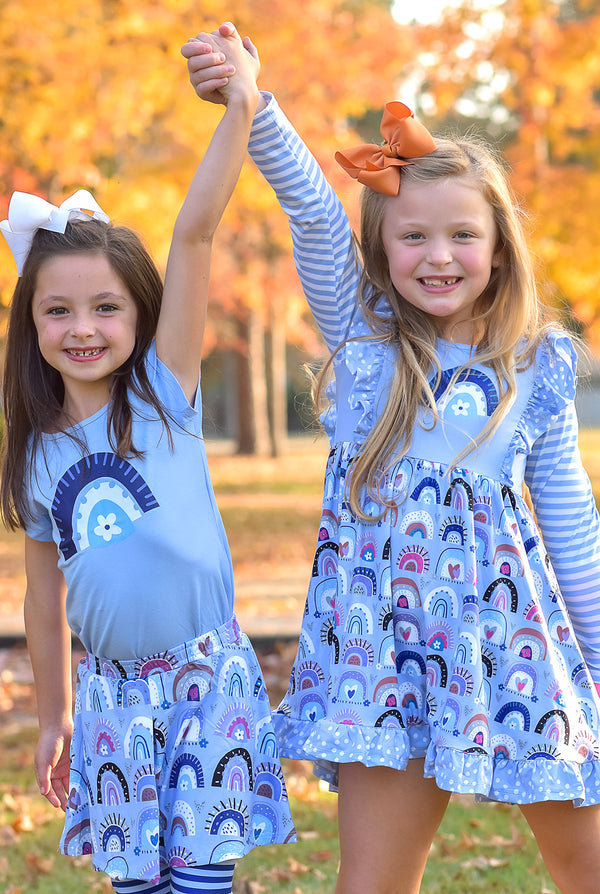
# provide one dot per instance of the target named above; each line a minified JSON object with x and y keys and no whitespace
{"x":438,"y":632}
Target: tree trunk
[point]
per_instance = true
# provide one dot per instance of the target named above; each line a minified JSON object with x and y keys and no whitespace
{"x":253,"y":421}
{"x":277,"y":379}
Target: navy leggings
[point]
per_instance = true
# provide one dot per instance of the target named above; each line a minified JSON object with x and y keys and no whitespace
{"x":214,"y":879}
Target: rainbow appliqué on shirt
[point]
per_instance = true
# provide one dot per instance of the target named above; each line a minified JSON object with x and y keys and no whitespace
{"x":97,"y":502}
{"x":472,"y":394}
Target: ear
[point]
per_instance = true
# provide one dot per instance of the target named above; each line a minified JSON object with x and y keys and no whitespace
{"x":498,"y":257}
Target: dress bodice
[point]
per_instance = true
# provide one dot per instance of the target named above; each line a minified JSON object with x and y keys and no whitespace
{"x":363,"y":375}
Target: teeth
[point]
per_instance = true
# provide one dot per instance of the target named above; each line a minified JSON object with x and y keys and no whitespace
{"x":90,"y":353}
{"x":440,"y":282}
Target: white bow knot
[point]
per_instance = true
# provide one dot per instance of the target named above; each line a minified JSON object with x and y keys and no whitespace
{"x":28,"y":213}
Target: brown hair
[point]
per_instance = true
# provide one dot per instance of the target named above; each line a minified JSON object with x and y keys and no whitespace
{"x":33,"y":391}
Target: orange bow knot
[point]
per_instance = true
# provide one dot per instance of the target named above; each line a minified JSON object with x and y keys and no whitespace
{"x":379,"y":166}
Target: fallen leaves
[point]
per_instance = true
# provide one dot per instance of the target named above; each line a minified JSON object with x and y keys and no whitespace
{"x":16,"y":682}
{"x":10,"y":691}
{"x":482,"y":862}
{"x":454,"y":849}
{"x":285,"y":873}
{"x":17,"y":810}
{"x":40,"y":865}
{"x":20,"y":815}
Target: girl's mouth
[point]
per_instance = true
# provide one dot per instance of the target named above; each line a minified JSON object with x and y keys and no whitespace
{"x":440,"y":283}
{"x":437,"y":282}
{"x":84,"y":353}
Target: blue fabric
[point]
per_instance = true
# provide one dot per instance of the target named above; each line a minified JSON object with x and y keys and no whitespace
{"x":216,"y":879}
{"x":174,"y":761}
{"x":441,"y":630}
{"x":163,"y":886}
{"x":140,"y":541}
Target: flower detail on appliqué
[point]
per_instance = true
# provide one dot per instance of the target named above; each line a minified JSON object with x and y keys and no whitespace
{"x":461,"y":407}
{"x":98,"y":502}
{"x":107,"y":527}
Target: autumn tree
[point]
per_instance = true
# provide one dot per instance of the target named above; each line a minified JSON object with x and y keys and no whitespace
{"x":327,"y":63}
{"x":96,"y":95}
{"x":527,"y":72}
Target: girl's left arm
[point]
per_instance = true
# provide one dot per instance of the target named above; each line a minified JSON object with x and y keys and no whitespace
{"x":566,"y":513}
{"x":182,"y":319}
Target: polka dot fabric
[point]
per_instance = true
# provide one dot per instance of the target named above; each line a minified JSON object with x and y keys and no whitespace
{"x":438,"y":630}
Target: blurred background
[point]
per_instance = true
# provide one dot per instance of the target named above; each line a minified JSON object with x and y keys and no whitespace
{"x":96,"y":95}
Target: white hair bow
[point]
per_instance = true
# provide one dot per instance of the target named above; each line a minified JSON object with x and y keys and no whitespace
{"x":28,"y":213}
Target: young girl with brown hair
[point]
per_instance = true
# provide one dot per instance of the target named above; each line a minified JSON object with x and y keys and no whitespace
{"x":170,"y":772}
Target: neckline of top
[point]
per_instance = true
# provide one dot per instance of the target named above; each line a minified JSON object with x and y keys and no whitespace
{"x":73,"y":428}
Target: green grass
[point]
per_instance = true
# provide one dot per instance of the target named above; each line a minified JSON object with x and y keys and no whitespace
{"x":479,"y":848}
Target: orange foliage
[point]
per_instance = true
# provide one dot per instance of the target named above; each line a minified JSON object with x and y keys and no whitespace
{"x":547,"y":53}
{"x":97,"y":95}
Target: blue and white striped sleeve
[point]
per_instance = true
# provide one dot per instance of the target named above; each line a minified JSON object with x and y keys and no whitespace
{"x":566,"y":512}
{"x":323,"y":247}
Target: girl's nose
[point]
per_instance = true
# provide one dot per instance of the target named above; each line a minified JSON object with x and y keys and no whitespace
{"x":439,"y":253}
{"x":82,"y":326}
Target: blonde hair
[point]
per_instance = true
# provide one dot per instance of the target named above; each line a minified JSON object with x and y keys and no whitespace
{"x":509,"y":321}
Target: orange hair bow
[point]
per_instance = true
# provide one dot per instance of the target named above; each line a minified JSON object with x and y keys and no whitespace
{"x":379,"y":166}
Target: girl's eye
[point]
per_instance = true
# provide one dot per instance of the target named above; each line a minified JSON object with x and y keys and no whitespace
{"x":413,"y":237}
{"x":464,"y":235}
{"x":107,"y":308}
{"x":57,"y":311}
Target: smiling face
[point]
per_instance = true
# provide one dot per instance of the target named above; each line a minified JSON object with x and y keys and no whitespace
{"x":86,"y":320}
{"x":440,"y":239}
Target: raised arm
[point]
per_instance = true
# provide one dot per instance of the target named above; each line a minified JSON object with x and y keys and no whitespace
{"x":49,"y":643}
{"x":324,"y":251}
{"x":183,"y":315}
{"x":322,"y":238}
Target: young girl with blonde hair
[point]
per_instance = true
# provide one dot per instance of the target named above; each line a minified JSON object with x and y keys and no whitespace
{"x":170,"y":772}
{"x":451,"y":639}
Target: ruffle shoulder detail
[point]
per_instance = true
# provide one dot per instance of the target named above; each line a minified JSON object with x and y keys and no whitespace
{"x":553,"y":389}
{"x":364,"y":355}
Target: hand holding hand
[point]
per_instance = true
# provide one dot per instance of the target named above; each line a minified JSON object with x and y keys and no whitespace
{"x":214,"y":59}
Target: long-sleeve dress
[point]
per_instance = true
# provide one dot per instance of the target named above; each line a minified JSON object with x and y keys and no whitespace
{"x":456,"y":627}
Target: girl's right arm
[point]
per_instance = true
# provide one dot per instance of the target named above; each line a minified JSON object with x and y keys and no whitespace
{"x":323,"y":245}
{"x":324,"y":250}
{"x":49,"y":643}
